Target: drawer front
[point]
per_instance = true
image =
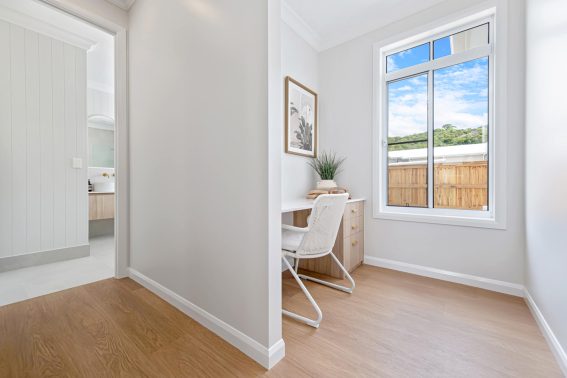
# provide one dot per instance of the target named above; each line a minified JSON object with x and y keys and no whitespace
{"x":353,"y":225}
{"x":354,"y":209}
{"x":353,"y":251}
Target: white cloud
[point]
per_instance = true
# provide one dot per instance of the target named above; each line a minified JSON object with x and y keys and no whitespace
{"x":405,"y":88}
{"x":461,"y":99}
{"x":403,"y":53}
{"x":461,"y":95}
{"x":392,"y":66}
{"x":408,"y":114}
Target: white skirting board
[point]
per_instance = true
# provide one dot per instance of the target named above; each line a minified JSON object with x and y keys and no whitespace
{"x":43,"y":257}
{"x":554,"y":344}
{"x":446,"y":275}
{"x":267,"y":357}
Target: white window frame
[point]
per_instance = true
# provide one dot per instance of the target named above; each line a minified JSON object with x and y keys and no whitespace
{"x":495,"y":217}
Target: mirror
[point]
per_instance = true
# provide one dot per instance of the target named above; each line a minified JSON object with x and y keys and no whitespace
{"x":100,"y":108}
{"x":101,"y":141}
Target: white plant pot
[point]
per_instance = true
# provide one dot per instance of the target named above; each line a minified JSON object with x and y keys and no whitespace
{"x":326,"y":184}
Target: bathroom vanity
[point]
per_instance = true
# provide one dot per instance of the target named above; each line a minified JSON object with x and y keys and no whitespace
{"x":101,"y":205}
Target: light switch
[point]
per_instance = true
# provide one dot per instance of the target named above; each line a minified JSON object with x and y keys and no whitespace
{"x":77,"y":163}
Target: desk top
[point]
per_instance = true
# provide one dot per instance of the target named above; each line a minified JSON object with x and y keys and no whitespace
{"x":304,"y":204}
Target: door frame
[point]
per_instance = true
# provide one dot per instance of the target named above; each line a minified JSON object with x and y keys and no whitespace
{"x":121,"y":134}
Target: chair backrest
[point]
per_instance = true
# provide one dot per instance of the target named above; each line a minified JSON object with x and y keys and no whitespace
{"x":324,"y":224}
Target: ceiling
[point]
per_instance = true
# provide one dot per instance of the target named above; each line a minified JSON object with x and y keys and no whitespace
{"x":328,"y":23}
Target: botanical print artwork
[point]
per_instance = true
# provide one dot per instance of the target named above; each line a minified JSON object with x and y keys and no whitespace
{"x":301,"y":121}
{"x":301,"y":127}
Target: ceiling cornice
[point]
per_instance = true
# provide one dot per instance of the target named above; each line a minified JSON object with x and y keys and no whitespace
{"x":343,"y":33}
{"x":124,"y":4}
{"x":39,"y":26}
{"x":298,"y":25}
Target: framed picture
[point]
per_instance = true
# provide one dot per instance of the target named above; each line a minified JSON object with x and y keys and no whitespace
{"x":300,"y":119}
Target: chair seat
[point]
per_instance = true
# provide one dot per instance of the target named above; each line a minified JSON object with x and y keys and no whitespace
{"x":291,"y":240}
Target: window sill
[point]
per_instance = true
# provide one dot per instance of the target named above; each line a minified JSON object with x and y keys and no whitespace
{"x":428,"y":216}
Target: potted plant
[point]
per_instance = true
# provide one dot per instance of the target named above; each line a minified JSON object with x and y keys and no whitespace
{"x":327,"y":166}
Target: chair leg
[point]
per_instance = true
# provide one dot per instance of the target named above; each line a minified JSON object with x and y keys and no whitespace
{"x":313,"y":323}
{"x":330,"y":284}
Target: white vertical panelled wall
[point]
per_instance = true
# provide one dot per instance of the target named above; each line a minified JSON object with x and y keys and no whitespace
{"x":43,"y":199}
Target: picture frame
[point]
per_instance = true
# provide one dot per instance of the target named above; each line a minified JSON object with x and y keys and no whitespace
{"x":301,"y":109}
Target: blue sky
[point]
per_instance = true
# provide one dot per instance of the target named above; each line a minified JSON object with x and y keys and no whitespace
{"x":460,"y":92}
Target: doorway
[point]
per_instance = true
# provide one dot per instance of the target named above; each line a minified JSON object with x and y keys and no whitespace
{"x":58,"y":89}
{"x":101,"y":139}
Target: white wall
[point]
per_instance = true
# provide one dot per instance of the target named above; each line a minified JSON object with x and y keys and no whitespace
{"x":100,"y":76}
{"x":275,"y":140}
{"x":300,"y":61}
{"x":199,"y":157}
{"x":345,"y":78}
{"x":43,"y":200}
{"x":100,"y":63}
{"x":546,"y":159}
{"x":100,"y":102}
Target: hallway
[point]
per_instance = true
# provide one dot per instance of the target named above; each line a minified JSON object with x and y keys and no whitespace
{"x":26,"y":283}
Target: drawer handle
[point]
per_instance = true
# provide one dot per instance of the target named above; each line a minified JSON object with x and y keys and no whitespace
{"x":354,"y":242}
{"x":353,"y":211}
{"x":353,"y":227}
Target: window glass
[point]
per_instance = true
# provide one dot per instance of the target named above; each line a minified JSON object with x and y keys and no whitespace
{"x":407,"y":142}
{"x":408,"y":58}
{"x":460,"y":136}
{"x":459,"y":42}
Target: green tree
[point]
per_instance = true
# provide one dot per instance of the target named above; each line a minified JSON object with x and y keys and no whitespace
{"x":447,"y":135}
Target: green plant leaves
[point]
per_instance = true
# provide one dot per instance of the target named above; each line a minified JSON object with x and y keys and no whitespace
{"x":327,"y":165}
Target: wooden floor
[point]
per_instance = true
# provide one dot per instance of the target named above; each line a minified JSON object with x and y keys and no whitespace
{"x":394,"y":325}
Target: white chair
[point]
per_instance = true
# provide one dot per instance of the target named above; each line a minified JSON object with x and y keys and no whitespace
{"x":315,"y":240}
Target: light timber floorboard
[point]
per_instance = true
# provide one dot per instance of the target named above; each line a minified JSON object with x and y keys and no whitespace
{"x":393,"y":325}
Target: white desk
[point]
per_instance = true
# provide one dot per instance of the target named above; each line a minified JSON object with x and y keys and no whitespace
{"x":306,"y":204}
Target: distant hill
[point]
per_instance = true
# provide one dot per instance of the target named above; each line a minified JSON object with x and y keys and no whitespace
{"x":448,"y":135}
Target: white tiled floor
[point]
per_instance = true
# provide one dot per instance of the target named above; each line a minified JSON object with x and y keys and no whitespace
{"x":22,"y":284}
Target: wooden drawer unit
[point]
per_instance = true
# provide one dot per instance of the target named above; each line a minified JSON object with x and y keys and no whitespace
{"x":349,"y":246}
{"x":101,"y":206}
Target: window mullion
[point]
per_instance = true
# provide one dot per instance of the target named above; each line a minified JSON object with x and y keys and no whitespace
{"x":430,"y":157}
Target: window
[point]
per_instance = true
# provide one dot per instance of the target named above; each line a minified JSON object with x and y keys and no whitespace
{"x":460,"y":135}
{"x":436,"y":126}
{"x":407,"y":58}
{"x":407,"y":141}
{"x":462,"y":41}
